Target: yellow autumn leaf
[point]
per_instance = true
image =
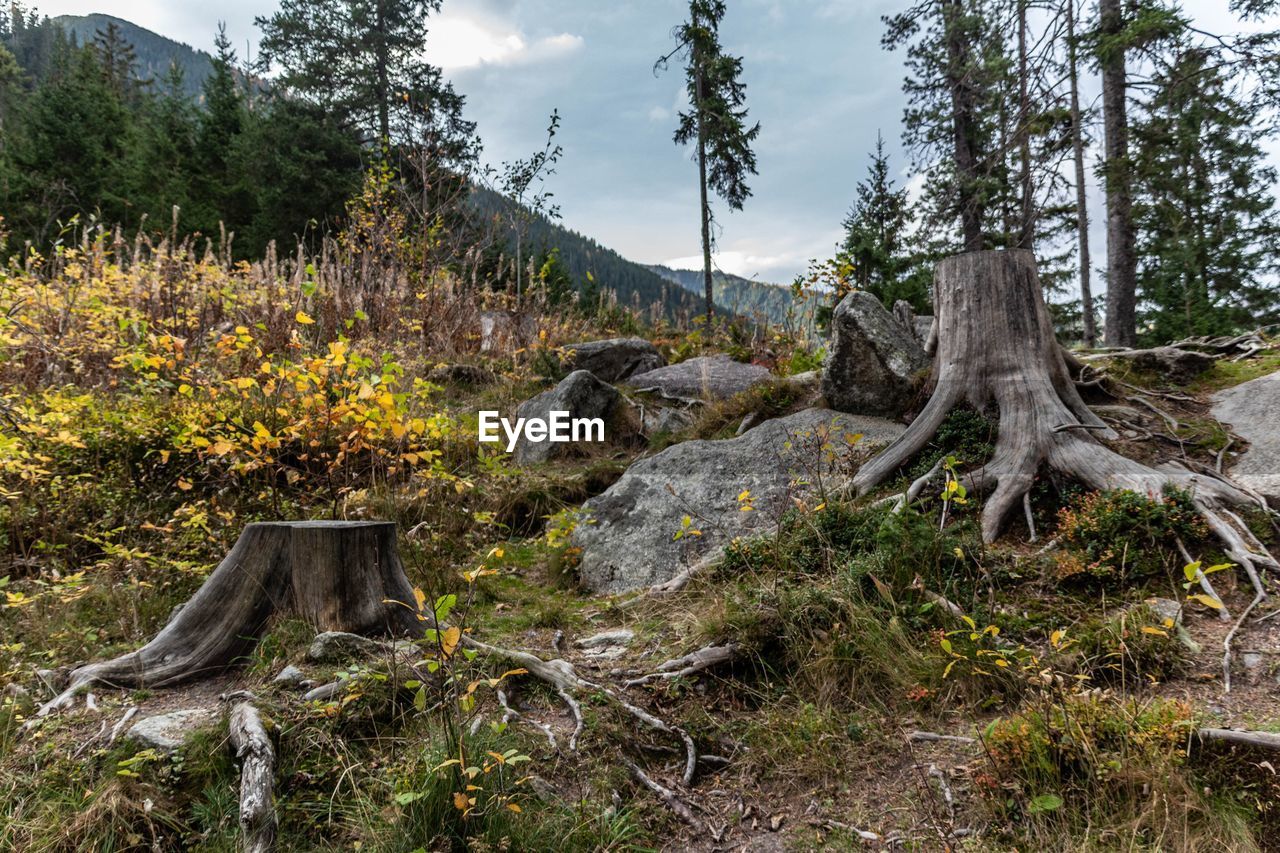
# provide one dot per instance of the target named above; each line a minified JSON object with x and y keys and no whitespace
{"x":303,"y":318}
{"x":449,"y":639}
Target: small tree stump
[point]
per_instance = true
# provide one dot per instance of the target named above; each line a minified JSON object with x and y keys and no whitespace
{"x":337,"y":575}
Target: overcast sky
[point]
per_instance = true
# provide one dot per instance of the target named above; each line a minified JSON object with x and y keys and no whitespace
{"x":817,"y":81}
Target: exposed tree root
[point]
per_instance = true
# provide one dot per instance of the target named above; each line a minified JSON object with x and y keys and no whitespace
{"x":338,"y":575}
{"x":257,"y":767}
{"x":664,"y":793}
{"x":561,"y":675}
{"x":996,"y":350}
{"x":689,"y":664}
{"x":510,"y":713}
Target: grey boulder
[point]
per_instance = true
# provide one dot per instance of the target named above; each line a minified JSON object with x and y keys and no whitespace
{"x":167,"y":732}
{"x":873,"y":360}
{"x":628,"y":538}
{"x":341,"y":647}
{"x":1252,"y":410}
{"x":1172,"y":363}
{"x":614,"y":359}
{"x":580,"y":394}
{"x":713,"y":377}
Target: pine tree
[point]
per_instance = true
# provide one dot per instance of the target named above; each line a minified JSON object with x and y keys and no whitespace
{"x":362,"y":60}
{"x":220,"y":196}
{"x":73,"y":146}
{"x":876,"y":239}
{"x":118,"y":60}
{"x":716,"y":121}
{"x":1204,"y":212}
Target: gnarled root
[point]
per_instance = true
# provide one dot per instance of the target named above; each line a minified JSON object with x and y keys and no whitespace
{"x":561,"y":675}
{"x":996,"y":350}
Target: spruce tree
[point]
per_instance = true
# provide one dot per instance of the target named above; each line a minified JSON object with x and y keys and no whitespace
{"x":1204,"y":209}
{"x":876,"y":239}
{"x":362,"y":60}
{"x":716,"y":121}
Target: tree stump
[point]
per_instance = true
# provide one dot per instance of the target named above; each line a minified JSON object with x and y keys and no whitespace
{"x":996,"y":348}
{"x":337,"y":575}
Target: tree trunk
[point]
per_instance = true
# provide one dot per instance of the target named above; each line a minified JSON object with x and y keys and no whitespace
{"x":1122,"y":262}
{"x":996,"y":350}
{"x":337,"y":575}
{"x":960,"y":87}
{"x":1082,"y":205}
{"x":704,"y":209}
{"x":1027,"y":216}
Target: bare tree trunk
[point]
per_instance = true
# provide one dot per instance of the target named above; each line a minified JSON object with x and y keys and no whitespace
{"x":1027,"y":217}
{"x":1082,"y":205}
{"x":705,"y":210}
{"x":996,"y":350}
{"x":1122,"y":263}
{"x":337,"y":575}
{"x":960,"y":87}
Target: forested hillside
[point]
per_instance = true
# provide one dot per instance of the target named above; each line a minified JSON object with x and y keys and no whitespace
{"x":773,"y":303}
{"x":154,"y":55}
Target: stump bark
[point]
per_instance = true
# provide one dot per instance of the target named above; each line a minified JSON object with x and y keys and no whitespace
{"x":336,"y":575}
{"x":996,"y":349}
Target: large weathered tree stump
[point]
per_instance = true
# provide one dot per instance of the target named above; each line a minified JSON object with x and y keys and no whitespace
{"x":336,"y":575}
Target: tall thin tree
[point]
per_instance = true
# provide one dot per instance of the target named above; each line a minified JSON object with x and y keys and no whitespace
{"x":716,"y":121}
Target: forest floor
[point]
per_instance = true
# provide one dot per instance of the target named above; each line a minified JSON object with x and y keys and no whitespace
{"x":1047,"y":707}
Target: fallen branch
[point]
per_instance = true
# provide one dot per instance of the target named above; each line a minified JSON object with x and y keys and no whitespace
{"x":1259,"y":740}
{"x":932,"y":737}
{"x":257,"y":763}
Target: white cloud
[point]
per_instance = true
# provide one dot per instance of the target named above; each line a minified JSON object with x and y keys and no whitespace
{"x":745,"y":264}
{"x":459,"y":42}
{"x":659,"y":114}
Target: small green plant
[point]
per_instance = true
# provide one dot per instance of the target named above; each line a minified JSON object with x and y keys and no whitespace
{"x":1116,"y":537}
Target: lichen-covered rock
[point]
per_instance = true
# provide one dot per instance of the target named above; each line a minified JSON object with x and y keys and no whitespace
{"x":614,"y":359}
{"x":580,"y":394}
{"x":341,"y":647}
{"x":873,"y":359}
{"x":167,"y":732}
{"x":712,"y":377}
{"x":1252,"y":410}
{"x":630,"y":539}
{"x":1172,"y":363}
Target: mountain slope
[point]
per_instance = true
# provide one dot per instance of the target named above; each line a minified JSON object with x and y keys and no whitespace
{"x":155,"y":52}
{"x":635,"y":285}
{"x":774,"y":303}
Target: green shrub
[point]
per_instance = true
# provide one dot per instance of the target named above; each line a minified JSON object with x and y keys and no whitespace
{"x":1117,"y":537}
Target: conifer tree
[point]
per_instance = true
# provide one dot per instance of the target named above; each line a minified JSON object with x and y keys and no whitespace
{"x":876,"y":239}
{"x":362,"y":60}
{"x":716,"y":121}
{"x":1204,"y":207}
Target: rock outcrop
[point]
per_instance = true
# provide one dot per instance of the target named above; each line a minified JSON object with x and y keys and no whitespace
{"x":614,"y":359}
{"x":630,"y":541}
{"x":873,"y":360}
{"x":580,"y":394}
{"x":714,"y":377}
{"x":1252,"y":410}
